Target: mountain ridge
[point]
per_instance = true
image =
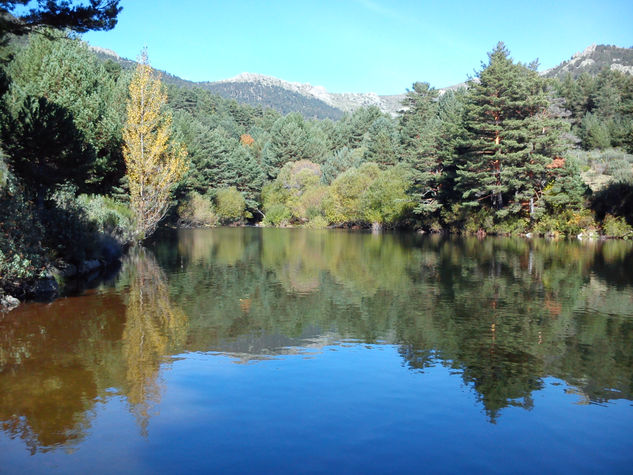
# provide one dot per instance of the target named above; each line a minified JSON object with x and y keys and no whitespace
{"x":317,"y":102}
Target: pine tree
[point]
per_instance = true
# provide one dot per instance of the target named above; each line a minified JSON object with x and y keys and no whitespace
{"x":450,"y":141}
{"x":291,"y":140}
{"x":20,"y":17}
{"x":245,"y":174}
{"x":153,"y":165}
{"x":419,"y":131}
{"x":43,"y":146}
{"x":511,"y":137}
{"x":66,"y":73}
{"x":382,"y":143}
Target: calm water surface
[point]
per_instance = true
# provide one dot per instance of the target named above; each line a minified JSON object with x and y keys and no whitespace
{"x":289,"y":351}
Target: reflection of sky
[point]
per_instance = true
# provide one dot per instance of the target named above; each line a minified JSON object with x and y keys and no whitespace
{"x":351,"y":407}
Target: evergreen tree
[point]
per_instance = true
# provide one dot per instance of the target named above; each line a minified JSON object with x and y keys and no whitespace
{"x":511,"y":135}
{"x":381,"y":143}
{"x":244,"y":172}
{"x":18,"y":18}
{"x":450,"y":142}
{"x":351,"y":129}
{"x":290,"y":140}
{"x":566,"y":191}
{"x":339,"y":162}
{"x":594,"y":132}
{"x":209,"y":151}
{"x":67,"y":73}
{"x":419,"y":132}
{"x":43,"y":146}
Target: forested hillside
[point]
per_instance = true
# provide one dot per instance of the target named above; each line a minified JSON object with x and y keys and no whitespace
{"x":512,"y":153}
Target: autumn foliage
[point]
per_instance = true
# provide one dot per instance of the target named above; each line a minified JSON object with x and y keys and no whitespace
{"x":153,"y":164}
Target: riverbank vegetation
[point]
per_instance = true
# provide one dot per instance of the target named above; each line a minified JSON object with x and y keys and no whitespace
{"x":511,"y":153}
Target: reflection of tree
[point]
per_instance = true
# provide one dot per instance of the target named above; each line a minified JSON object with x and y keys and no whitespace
{"x":503,"y":312}
{"x":52,"y":368}
{"x":58,"y":359}
{"x":153,"y":327}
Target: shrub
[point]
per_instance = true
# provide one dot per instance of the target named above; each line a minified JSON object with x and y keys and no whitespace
{"x":343,"y":203}
{"x":277,"y":215}
{"x":196,"y":210}
{"x":567,"y":223}
{"x":108,"y":216}
{"x":510,"y":226}
{"x":310,"y":203}
{"x":620,"y":171}
{"x":616,"y":227}
{"x":385,"y":200}
{"x":230,"y":205}
{"x":318,"y":222}
{"x":22,"y":255}
{"x":478,"y":220}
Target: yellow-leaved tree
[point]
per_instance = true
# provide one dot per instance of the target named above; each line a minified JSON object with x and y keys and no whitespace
{"x":153,"y":164}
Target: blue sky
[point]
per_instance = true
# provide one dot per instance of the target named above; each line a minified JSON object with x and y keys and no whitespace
{"x":359,"y":45}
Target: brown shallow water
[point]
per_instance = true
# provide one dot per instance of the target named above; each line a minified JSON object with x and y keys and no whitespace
{"x":267,"y":350}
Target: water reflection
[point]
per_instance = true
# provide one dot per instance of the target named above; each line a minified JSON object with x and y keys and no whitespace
{"x":153,"y":329}
{"x":58,"y":360}
{"x":503,"y":314}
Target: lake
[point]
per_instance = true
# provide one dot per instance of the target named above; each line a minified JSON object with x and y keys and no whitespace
{"x":288,"y":350}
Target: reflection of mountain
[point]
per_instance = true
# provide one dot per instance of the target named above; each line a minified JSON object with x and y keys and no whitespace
{"x":57,"y":360}
{"x":503,"y":314}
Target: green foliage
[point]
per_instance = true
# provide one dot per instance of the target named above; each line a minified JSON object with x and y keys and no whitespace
{"x":68,"y":229}
{"x":339,"y":161}
{"x":318,"y":222}
{"x":601,"y":107}
{"x":244,"y":172}
{"x":21,"y":234}
{"x":108,"y":216}
{"x":310,"y":203}
{"x":297,"y":188}
{"x":512,"y":136}
{"x":566,"y":223}
{"x":381,"y":143}
{"x":291,"y":140}
{"x":420,"y":132}
{"x":277,"y":215}
{"x":195,"y":211}
{"x":594,"y":133}
{"x":230,"y":205}
{"x":566,"y":191}
{"x":510,"y":226}
{"x":352,"y":128}
{"x":43,"y":146}
{"x":616,"y":227}
{"x":343,"y":203}
{"x":67,"y":74}
{"x":385,"y":201}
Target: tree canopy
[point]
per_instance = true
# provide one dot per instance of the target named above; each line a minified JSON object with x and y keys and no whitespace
{"x":18,"y":18}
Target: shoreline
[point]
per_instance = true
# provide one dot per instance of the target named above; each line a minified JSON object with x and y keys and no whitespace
{"x":59,"y":281}
{"x":68,"y":278}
